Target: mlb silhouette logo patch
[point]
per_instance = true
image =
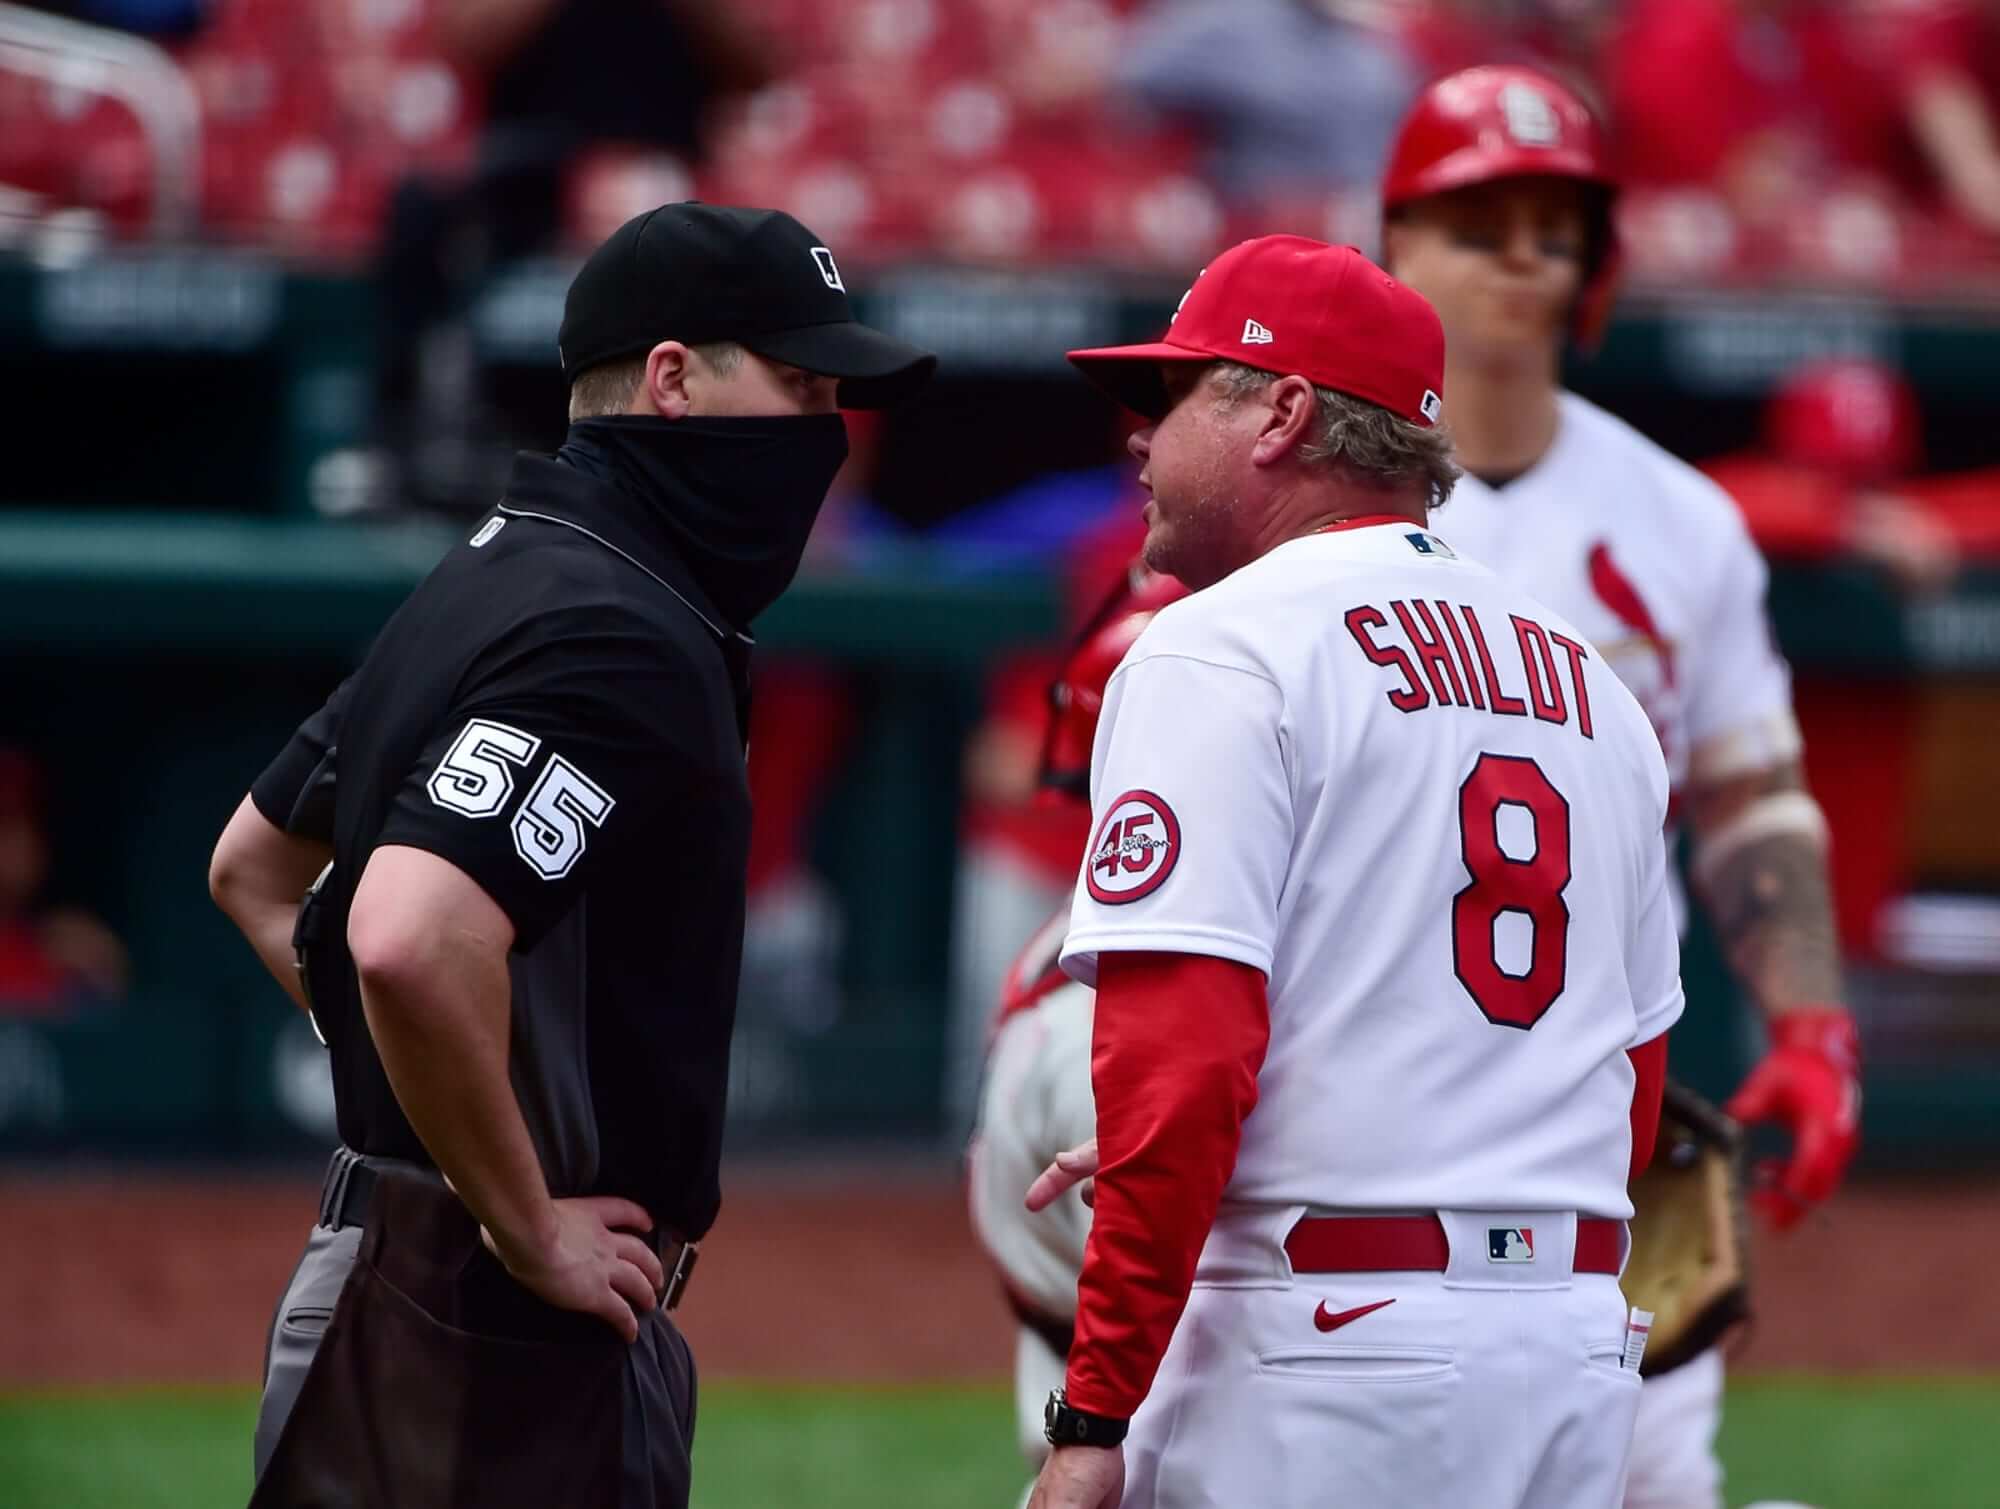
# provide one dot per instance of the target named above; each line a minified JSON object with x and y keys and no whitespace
{"x":1430,"y":544}
{"x":1510,"y":1244}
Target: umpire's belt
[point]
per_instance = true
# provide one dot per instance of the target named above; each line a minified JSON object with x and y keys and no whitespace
{"x":1417,"y":1244}
{"x":349,"y":1189}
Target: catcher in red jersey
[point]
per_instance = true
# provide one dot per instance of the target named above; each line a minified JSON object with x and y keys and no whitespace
{"x":1036,"y":1101}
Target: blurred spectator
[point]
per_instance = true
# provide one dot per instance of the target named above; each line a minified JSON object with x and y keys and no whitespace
{"x":165,"y":19}
{"x":1563,"y":35}
{"x":1946,"y":60}
{"x":52,"y":960}
{"x":1842,"y":440}
{"x":1767,"y":101}
{"x":1839,"y":436}
{"x":1287,"y":92}
{"x":560,"y":76}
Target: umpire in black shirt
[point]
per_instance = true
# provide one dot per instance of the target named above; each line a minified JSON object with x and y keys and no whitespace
{"x":530,"y":813}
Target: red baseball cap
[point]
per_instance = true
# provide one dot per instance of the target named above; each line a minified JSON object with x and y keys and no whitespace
{"x":1855,"y":417}
{"x":1289,"y":304}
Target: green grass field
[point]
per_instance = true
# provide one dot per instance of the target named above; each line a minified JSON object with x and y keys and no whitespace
{"x":1847,"y":1445}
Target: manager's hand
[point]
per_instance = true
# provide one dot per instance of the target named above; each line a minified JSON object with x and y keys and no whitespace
{"x":1080,"y":1162}
{"x":1080,"y":1477}
{"x":587,"y":1259}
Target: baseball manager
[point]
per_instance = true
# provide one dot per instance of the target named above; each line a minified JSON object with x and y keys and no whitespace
{"x":528,"y":816}
{"x":1376,"y":911}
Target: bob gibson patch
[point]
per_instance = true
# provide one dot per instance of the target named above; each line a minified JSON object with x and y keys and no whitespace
{"x":1135,"y":850}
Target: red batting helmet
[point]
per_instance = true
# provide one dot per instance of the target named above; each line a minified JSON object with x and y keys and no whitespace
{"x":1076,"y":697}
{"x":1853,"y":417}
{"x":1504,"y":121}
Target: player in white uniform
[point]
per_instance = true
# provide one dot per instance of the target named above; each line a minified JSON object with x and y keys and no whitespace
{"x":1498,"y":209}
{"x":1378,"y":918}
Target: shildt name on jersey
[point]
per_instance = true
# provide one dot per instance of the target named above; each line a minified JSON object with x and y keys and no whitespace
{"x":1458,"y":661}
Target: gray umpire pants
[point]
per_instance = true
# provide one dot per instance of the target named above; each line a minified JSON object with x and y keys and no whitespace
{"x":297,"y":1326}
{"x":421,"y":1299}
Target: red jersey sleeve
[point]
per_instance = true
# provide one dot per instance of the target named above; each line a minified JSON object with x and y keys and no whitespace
{"x":1649,"y":1065}
{"x":1176,"y":1048}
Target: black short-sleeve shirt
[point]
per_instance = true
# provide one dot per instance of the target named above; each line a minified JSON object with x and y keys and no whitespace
{"x":559,"y":712}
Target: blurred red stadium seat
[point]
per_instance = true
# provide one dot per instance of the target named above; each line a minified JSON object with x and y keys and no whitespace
{"x":612,"y":184}
{"x":967,"y":128}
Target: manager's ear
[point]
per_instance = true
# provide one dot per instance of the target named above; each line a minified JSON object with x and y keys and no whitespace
{"x":664,"y":391}
{"x":1292,"y":410}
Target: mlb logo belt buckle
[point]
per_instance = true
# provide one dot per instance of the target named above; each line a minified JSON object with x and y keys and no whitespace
{"x":1417,"y":1244}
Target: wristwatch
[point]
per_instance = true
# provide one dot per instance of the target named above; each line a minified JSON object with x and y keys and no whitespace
{"x":1068,"y":1426}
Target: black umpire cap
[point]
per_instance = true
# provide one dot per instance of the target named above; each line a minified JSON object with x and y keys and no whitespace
{"x":697,"y":272}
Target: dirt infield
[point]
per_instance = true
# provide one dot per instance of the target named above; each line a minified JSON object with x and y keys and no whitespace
{"x":830,"y":1275}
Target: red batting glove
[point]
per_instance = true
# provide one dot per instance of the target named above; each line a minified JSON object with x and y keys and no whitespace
{"x":1809,"y":1081}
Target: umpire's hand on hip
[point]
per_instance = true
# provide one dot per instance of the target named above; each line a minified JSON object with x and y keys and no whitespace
{"x":586,"y":1258}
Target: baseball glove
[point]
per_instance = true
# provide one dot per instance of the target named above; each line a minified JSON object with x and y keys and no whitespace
{"x":1688,"y":1263}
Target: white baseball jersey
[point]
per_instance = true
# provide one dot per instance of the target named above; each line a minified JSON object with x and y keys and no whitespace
{"x":1652,"y":561}
{"x":1418,"y":802}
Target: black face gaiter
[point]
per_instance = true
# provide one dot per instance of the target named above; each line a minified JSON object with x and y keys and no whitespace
{"x":736,"y":497}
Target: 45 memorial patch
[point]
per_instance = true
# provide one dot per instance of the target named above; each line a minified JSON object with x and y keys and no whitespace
{"x":1135,"y":850}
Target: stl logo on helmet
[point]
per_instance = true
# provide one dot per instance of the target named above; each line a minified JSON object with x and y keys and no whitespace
{"x":1135,"y":850}
{"x":1531,"y":119}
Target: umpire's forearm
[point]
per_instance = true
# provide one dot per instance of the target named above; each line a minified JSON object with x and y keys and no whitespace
{"x":441,"y":1019}
{"x":258,"y":875}
{"x":269,"y":931}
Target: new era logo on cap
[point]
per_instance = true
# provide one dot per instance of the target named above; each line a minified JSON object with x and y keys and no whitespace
{"x":1255,"y":334}
{"x":1510,"y":1244}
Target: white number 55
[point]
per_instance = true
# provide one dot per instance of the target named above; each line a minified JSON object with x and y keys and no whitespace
{"x":473,"y":777}
{"x":549,"y":830}
{"x":476,"y":778}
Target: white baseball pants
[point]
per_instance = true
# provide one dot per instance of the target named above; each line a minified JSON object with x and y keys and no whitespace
{"x":1491,"y":1385}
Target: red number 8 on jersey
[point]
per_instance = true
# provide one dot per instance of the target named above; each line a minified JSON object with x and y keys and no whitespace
{"x":1531,"y":887}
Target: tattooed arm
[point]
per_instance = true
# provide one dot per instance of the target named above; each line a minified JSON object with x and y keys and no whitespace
{"x":1760,"y":863}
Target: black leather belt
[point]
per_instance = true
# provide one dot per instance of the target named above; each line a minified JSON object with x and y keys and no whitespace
{"x":349,"y":1190}
{"x":346,"y":1192}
